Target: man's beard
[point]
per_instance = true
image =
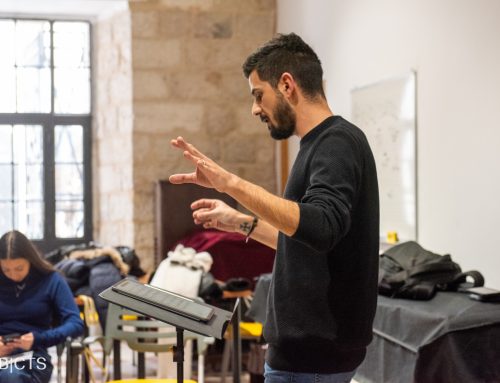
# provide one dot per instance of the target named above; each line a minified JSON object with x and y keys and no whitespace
{"x":286,"y":120}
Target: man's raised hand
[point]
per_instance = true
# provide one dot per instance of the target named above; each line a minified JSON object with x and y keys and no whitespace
{"x":207,"y":173}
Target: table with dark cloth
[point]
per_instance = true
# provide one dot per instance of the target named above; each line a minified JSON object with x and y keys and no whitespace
{"x":449,"y":338}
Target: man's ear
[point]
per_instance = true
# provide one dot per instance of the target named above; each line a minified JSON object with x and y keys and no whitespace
{"x":287,"y":84}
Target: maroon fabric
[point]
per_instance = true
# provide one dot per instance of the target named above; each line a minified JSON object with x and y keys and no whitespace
{"x":233,"y":258}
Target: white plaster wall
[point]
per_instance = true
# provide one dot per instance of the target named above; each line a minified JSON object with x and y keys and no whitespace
{"x":454,"y":47}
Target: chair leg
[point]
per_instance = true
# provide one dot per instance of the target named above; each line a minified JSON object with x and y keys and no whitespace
{"x":141,"y":365}
{"x":201,"y":368}
{"x":117,"y":373}
{"x":226,"y":357}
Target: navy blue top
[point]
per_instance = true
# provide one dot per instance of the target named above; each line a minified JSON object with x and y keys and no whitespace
{"x":45,"y":300}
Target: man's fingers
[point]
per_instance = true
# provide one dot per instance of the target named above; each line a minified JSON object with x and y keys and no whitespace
{"x":203,"y":203}
{"x":194,"y":159}
{"x":180,"y":143}
{"x":203,"y":214}
{"x":187,"y":178}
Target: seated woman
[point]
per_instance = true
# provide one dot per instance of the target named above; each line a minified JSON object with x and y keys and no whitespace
{"x":32,"y":296}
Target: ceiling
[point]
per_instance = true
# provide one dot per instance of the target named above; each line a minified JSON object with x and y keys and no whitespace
{"x":89,"y":9}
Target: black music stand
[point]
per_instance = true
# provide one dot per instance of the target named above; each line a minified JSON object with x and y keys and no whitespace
{"x":216,"y":326}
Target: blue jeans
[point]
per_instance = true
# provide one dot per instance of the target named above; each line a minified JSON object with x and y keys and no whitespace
{"x":36,"y":370}
{"x":276,"y":376}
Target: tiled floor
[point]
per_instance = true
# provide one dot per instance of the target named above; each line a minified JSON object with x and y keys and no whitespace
{"x":129,"y":367}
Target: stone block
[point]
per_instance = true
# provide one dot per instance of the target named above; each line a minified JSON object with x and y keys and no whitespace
{"x":160,"y":54}
{"x":195,"y":85}
{"x":125,"y":119}
{"x":110,"y":122}
{"x":125,"y":56}
{"x":164,"y":117}
{"x":107,"y":178}
{"x":143,"y":235}
{"x":220,"y":120}
{"x":102,"y":33}
{"x":145,"y":24}
{"x":120,"y":206}
{"x":150,"y":85}
{"x":152,"y":152}
{"x":244,"y":6}
{"x":121,"y":88}
{"x":175,"y":24}
{"x":222,"y":54}
{"x":144,"y":206}
{"x":238,"y":150}
{"x":247,"y":123}
{"x":186,"y":4}
{"x":121,"y":27}
{"x":213,"y":25}
{"x":256,"y":27}
{"x":236,"y":87}
{"x":110,"y":59}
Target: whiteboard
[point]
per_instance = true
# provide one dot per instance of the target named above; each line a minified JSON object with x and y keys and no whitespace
{"x":386,"y":112}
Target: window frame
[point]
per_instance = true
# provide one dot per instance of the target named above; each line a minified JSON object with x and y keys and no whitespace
{"x":49,"y":121}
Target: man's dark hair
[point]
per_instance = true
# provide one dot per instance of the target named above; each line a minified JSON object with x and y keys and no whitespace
{"x":287,"y":53}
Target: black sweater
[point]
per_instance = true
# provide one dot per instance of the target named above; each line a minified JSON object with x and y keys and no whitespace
{"x":322,"y":298}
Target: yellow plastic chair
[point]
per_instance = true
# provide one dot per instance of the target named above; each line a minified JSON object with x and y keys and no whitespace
{"x":143,"y":334}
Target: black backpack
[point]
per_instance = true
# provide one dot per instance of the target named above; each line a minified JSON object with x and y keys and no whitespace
{"x":409,"y":271}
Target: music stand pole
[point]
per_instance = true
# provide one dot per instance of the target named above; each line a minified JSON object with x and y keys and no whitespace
{"x":179,"y":354}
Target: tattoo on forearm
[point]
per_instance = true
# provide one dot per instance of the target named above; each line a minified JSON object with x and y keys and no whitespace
{"x":245,"y":227}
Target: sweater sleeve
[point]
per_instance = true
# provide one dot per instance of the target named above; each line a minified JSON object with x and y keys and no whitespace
{"x":326,"y":207}
{"x":69,"y":323}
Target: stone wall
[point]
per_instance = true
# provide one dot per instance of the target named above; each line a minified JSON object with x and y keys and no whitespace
{"x":168,"y":68}
{"x":187,"y":80}
{"x":113,"y":187}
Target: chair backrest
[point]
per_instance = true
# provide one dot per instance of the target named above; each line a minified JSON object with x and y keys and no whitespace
{"x":142,"y":333}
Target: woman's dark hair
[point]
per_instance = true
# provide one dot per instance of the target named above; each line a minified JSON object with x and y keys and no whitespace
{"x":287,"y":53}
{"x":15,"y":245}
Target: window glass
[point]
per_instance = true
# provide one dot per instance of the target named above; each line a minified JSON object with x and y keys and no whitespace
{"x":28,"y":144}
{"x":71,"y":45}
{"x":32,"y":44}
{"x":72,"y":90}
{"x":33,"y":90}
{"x":5,"y":144}
{"x":5,"y":216}
{"x":69,"y":219}
{"x":28,"y":218}
{"x":7,"y":89}
{"x":68,"y":144}
{"x":7,"y":43}
{"x":6,"y":184}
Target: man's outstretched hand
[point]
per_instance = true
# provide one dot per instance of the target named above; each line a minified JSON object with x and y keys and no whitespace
{"x":207,"y":172}
{"x":215,"y":214}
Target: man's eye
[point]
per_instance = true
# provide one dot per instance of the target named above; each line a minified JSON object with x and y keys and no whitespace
{"x":258,"y":98}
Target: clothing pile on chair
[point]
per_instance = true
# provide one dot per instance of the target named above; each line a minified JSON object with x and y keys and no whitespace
{"x":181,"y":272}
{"x":89,"y":269}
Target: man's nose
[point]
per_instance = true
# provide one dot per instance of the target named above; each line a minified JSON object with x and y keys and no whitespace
{"x":256,"y":110}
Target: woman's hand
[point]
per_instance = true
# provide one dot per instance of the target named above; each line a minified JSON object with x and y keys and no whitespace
{"x":6,"y":349}
{"x":24,"y":342}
